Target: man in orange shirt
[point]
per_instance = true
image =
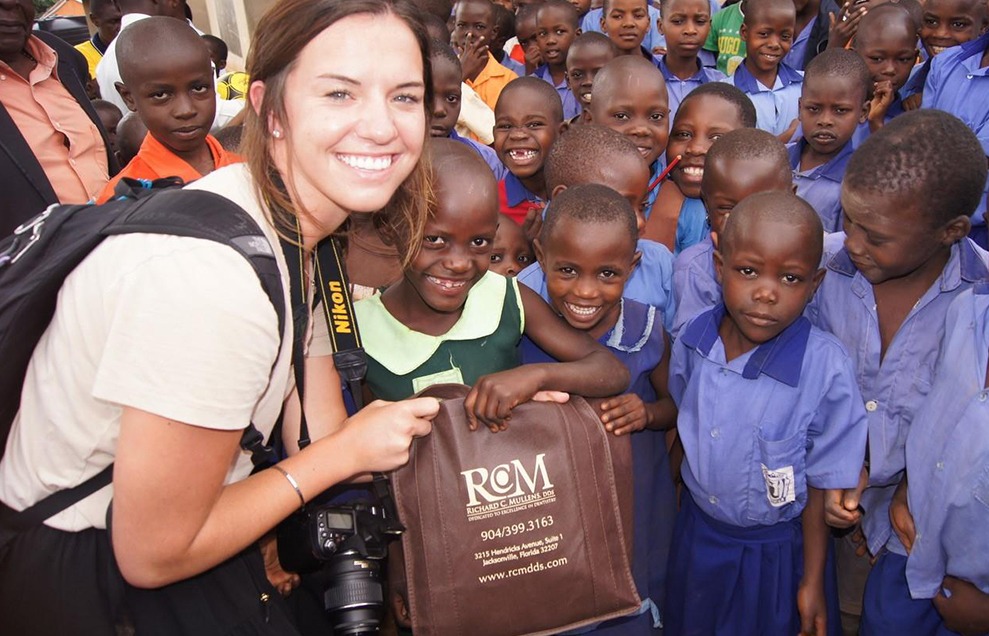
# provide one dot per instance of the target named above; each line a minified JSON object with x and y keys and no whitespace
{"x":168,"y":82}
{"x":52,"y":147}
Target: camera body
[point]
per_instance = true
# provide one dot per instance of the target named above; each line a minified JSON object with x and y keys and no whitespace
{"x":342,"y":546}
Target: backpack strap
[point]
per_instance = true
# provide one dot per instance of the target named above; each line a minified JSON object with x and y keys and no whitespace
{"x":193,"y":214}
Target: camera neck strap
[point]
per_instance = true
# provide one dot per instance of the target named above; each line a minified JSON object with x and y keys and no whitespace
{"x":332,"y":297}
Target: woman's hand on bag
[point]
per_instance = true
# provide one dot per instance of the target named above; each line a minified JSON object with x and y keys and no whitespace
{"x":381,"y":432}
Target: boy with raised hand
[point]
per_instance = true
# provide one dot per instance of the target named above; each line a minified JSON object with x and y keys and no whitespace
{"x":893,"y":272}
{"x":474,"y":29}
{"x":833,"y":104}
{"x":168,"y":81}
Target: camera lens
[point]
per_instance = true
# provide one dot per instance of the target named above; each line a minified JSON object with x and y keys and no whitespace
{"x":354,"y":599}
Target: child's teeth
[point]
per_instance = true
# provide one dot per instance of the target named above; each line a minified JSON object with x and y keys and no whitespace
{"x":447,"y":284}
{"x":582,"y":311}
{"x":694,"y":171}
{"x":522,"y":154}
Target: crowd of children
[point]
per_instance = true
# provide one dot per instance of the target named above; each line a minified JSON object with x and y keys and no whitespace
{"x":758,"y":227}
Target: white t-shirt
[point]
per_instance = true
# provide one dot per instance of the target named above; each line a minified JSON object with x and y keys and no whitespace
{"x":175,"y":326}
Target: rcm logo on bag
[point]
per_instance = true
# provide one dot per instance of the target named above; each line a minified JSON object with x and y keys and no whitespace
{"x":508,"y":485}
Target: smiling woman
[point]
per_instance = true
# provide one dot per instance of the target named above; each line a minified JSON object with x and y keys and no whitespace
{"x":167,"y":349}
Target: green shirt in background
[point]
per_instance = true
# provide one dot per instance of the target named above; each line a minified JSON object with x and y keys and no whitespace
{"x":725,"y":38}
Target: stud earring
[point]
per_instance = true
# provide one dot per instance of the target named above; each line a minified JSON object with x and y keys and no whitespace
{"x":277,"y":134}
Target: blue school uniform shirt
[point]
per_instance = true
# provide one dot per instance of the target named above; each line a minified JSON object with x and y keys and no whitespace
{"x":895,"y":388}
{"x":798,"y":50}
{"x":513,"y":65}
{"x":651,"y":281}
{"x":571,"y":107}
{"x":775,"y":107}
{"x":821,"y":186}
{"x":695,"y":284}
{"x":948,"y":457}
{"x":757,"y":431}
{"x":655,"y":169}
{"x":692,"y":225}
{"x":678,"y":88}
{"x":487,"y":153}
{"x":957,"y":85}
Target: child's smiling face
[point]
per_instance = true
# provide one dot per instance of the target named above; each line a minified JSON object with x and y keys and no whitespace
{"x":525,"y":128}
{"x":948,"y":23}
{"x":768,"y":35}
{"x":584,"y":60}
{"x":700,"y":121}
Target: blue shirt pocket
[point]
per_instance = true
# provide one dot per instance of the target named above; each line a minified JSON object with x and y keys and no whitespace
{"x":778,"y":484}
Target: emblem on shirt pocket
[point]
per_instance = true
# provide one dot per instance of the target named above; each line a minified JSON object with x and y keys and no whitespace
{"x":780,"y":487}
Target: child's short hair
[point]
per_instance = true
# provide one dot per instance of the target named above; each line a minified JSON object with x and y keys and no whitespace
{"x":162,"y":34}
{"x":885,"y":13}
{"x":590,"y":203}
{"x":563,"y":5}
{"x":104,"y":107}
{"x":584,"y":151}
{"x":928,"y":155}
{"x":217,"y":44}
{"x":530,"y":83}
{"x":745,"y":144}
{"x":606,"y":6}
{"x":591,"y":38}
{"x":841,"y":63}
{"x":442,"y":50}
{"x":727,"y":92}
{"x":436,"y":27}
{"x":754,"y":8}
{"x":776,"y":207}
{"x":505,"y":22}
{"x":916,"y":11}
{"x":229,"y":137}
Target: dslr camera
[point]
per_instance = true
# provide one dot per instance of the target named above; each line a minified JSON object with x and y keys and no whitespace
{"x":342,"y":546}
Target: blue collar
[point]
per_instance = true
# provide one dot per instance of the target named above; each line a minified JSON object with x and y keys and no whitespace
{"x":516,"y":192}
{"x":781,"y":358}
{"x":964,"y":265}
{"x":747,"y":82}
{"x":98,"y":43}
{"x":973,"y":47}
{"x":543,"y":73}
{"x":833,"y":169}
{"x":668,"y":75}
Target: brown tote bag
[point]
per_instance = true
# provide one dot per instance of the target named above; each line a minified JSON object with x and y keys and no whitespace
{"x":527,"y":531}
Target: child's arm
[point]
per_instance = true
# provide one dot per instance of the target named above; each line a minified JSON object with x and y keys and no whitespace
{"x":810,"y":596}
{"x":628,"y":413}
{"x":882,"y":98}
{"x":964,"y":607}
{"x":585,"y":368}
{"x":900,"y":517}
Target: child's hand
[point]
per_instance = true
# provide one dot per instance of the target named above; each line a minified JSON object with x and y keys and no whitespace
{"x":624,"y":414}
{"x":493,"y":397}
{"x":787,"y":134}
{"x":281,"y":580}
{"x":964,"y":608}
{"x":812,"y":608}
{"x":841,"y":507}
{"x":474,"y":57}
{"x":533,"y":224}
{"x":882,"y":97}
{"x":913,"y":102}
{"x":900,"y":517}
{"x":844,"y":25}
{"x":659,"y":51}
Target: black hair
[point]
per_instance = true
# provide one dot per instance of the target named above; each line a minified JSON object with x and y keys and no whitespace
{"x":754,"y":8}
{"x":563,"y":5}
{"x":582,"y":153}
{"x":775,"y":207}
{"x":840,"y":63}
{"x":440,"y":9}
{"x":727,"y":92}
{"x":590,"y":203}
{"x":546,"y":91}
{"x":505,"y":20}
{"x":591,"y":38}
{"x":524,"y":12}
{"x":749,"y":144}
{"x":229,"y":137}
{"x":103,"y":105}
{"x":664,"y":7}
{"x":606,"y":7}
{"x":485,"y":3}
{"x":221,"y":46}
{"x":884,"y":14}
{"x":435,"y":26}
{"x":442,"y":50}
{"x":928,"y":157}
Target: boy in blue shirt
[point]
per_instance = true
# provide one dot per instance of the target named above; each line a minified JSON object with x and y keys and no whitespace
{"x":685,"y":65}
{"x":958,"y":83}
{"x":740,"y":163}
{"x":594,"y":154}
{"x":773,"y":87}
{"x":833,"y":103}
{"x":942,"y":515}
{"x":588,"y":54}
{"x":769,"y":417}
{"x":556,"y":28}
{"x":585,"y":281}
{"x":901,"y":260}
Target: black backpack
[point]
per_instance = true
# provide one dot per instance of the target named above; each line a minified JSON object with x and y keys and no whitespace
{"x":42,"y":252}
